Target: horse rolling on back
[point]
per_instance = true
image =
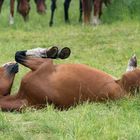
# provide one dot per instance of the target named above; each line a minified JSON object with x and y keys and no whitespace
{"x":96,"y":5}
{"x":66,"y":85}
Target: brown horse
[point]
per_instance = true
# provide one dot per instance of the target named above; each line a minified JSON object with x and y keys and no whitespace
{"x":23,"y":7}
{"x":40,"y":6}
{"x":7,"y":74}
{"x":65,"y":85}
{"x":97,"y":6}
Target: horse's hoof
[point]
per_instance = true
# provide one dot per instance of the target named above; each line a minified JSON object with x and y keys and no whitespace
{"x":64,"y":53}
{"x":51,"y":24}
{"x":52,"y":52}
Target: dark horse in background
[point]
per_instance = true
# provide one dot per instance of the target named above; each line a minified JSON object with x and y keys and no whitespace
{"x":85,"y":7}
{"x":23,"y":8}
{"x":66,"y":9}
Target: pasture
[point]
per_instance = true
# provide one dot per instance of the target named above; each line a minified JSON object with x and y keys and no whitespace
{"x":107,"y":47}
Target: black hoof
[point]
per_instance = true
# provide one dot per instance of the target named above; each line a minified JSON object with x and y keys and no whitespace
{"x":51,"y":24}
{"x":64,"y":53}
{"x":52,"y":52}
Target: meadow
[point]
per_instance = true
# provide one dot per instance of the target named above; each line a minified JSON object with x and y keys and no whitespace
{"x":107,"y":47}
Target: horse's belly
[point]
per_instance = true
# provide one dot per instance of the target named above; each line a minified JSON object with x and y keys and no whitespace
{"x":72,"y":87}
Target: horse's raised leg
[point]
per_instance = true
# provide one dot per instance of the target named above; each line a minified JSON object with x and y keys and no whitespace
{"x":97,"y":12}
{"x":87,"y":8}
{"x":1,"y":3}
{"x":66,"y":9}
{"x":11,"y":18}
{"x":53,"y":7}
{"x":81,"y":10}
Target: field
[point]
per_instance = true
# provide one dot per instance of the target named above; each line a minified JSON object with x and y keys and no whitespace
{"x":107,"y":47}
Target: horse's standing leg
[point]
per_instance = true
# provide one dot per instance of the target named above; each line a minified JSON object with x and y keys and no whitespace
{"x":81,"y":10}
{"x":87,"y":8}
{"x":53,"y":7}
{"x":11,"y":18}
{"x":1,"y":3}
{"x":66,"y":10}
{"x":97,"y":11}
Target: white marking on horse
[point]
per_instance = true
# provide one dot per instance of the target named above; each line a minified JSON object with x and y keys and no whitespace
{"x":11,"y":19}
{"x":96,"y":20}
{"x":37,"y":52}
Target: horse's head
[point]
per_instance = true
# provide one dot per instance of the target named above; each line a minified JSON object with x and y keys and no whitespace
{"x":40,"y":6}
{"x":23,"y":8}
{"x":130,"y":80}
{"x":35,"y":57}
{"x":7,"y":74}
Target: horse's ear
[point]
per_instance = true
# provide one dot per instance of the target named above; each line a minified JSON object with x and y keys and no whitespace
{"x":132,"y":63}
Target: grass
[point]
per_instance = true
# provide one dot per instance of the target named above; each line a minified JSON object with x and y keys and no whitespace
{"x":107,"y":47}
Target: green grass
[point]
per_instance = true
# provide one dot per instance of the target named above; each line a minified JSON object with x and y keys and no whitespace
{"x":107,"y":47}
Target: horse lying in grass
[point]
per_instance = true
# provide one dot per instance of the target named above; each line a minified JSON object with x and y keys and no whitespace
{"x":23,"y":8}
{"x":66,"y":85}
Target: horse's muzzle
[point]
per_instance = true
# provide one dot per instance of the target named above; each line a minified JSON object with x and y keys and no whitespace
{"x":11,"y":68}
{"x":20,"y":56}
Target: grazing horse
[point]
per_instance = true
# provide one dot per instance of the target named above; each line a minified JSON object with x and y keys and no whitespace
{"x":7,"y":74}
{"x":87,"y":9}
{"x":23,"y":7}
{"x":65,"y":85}
{"x":66,"y":9}
{"x":40,"y":6}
